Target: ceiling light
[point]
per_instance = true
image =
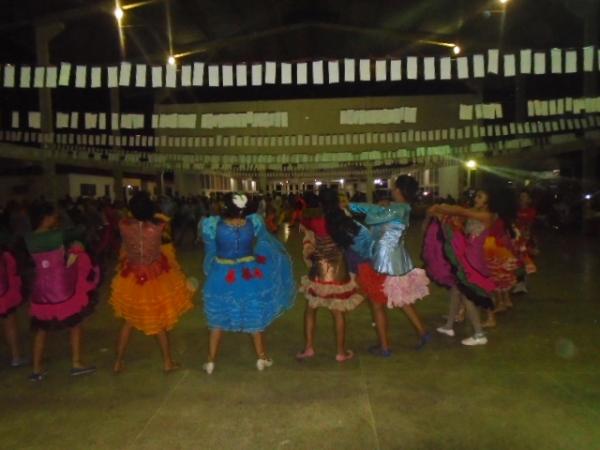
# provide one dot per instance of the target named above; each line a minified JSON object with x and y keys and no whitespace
{"x":119,"y":13}
{"x":504,"y":2}
{"x":171,"y":60}
{"x":471,"y":164}
{"x":456,"y":49}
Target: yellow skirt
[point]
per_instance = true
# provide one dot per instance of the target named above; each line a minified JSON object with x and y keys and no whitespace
{"x":158,"y":302}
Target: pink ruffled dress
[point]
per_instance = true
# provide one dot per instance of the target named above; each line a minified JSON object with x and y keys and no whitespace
{"x":10,"y":285}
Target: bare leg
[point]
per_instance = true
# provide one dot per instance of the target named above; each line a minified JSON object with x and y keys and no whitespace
{"x":122,"y":344}
{"x":76,"y":333}
{"x":340,"y":336}
{"x":39,"y":344}
{"x":381,"y":324}
{"x":414,"y":318}
{"x":310,"y":324}
{"x":214,"y":340}
{"x":472,"y":313}
{"x":165,"y":348}
{"x":455,"y":304}
{"x":12,"y":338}
{"x":259,"y":345}
{"x":491,"y":313}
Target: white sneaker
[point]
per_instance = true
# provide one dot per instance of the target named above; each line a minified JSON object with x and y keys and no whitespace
{"x":208,"y":367}
{"x":446,"y":331}
{"x":262,"y":364}
{"x":474,"y":340}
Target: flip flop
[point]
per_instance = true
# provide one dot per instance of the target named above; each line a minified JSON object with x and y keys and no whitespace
{"x":306,"y":354}
{"x":345,"y":357}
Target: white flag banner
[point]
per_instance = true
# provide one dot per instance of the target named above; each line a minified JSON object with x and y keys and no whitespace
{"x":125,"y":74}
{"x":429,"y":68}
{"x":301,"y":73}
{"x":286,"y":73}
{"x":157,"y":72}
{"x":213,"y":75}
{"x":571,"y":61}
{"x":588,"y":58}
{"x":509,"y":65}
{"x":317,"y":72}
{"x":62,"y":120}
{"x":9,"y":76}
{"x":74,"y":124}
{"x":51,"y":76}
{"x":102,"y":121}
{"x":539,"y":63}
{"x":462,"y":67}
{"x":556,"y":60}
{"x":35,"y":119}
{"x":381,"y":70}
{"x":349,"y":75}
{"x":493,"y":61}
{"x":39,"y":76}
{"x":112,"y":74}
{"x":140,"y":75}
{"x":80,"y":76}
{"x":365,"y":69}
{"x":257,"y":71}
{"x":270,"y":72}
{"x":525,"y":61}
{"x":25,"y":79}
{"x":186,"y":75}
{"x":64,"y":74}
{"x":171,"y":75}
{"x":465,"y":112}
{"x":411,"y":67}
{"x":241,"y":75}
{"x":333,"y":72}
{"x":445,"y":68}
{"x":198,"y":75}
{"x":227,"y":75}
{"x":96,"y":74}
{"x":395,"y":70}
{"x":478,"y":66}
{"x":90,"y":120}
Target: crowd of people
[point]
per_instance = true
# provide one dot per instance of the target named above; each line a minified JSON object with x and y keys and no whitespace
{"x":354,"y":251}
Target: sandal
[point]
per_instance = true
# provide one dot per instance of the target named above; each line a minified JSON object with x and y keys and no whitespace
{"x":377,"y":350}
{"x":345,"y":357}
{"x":306,"y":354}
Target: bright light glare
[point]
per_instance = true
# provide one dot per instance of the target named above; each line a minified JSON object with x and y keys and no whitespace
{"x":318,"y":183}
{"x":588,"y":196}
{"x":504,"y":2}
{"x":119,"y":13}
{"x":456,"y":50}
{"x":377,"y":181}
{"x":171,"y":60}
{"x":471,"y":164}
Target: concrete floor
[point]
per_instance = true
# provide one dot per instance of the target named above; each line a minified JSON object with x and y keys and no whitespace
{"x":535,"y":386}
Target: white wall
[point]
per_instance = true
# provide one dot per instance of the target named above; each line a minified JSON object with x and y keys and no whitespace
{"x":76,"y":180}
{"x":449,"y":181}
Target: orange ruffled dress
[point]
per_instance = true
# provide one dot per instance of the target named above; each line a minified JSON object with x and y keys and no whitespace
{"x":149,"y":291}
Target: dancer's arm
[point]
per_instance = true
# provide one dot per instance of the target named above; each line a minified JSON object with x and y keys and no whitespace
{"x":459,"y":211}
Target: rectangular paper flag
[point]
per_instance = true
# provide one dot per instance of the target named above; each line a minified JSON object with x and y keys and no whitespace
{"x":140,"y":75}
{"x":113,"y":77}
{"x":157,"y":76}
{"x":96,"y":77}
{"x":213,"y":75}
{"x":349,"y":70}
{"x":65,"y":74}
{"x":493,"y":57}
{"x":170,"y":75}
{"x":478,"y":66}
{"x":365,"y":70}
{"x":38,"y":77}
{"x":186,"y":75}
{"x":227,"y":75}
{"x":333,"y":72}
{"x":25,"y":80}
{"x":317,"y":72}
{"x":270,"y":72}
{"x":51,"y":76}
{"x":462,"y":67}
{"x":571,"y":61}
{"x":15,"y":119}
{"x":539,"y":63}
{"x":74,"y":120}
{"x":125,"y":74}
{"x":465,"y":112}
{"x":301,"y":73}
{"x":429,"y":68}
{"x":256,"y":74}
{"x":9,"y":76}
{"x":411,"y":68}
{"x":286,"y":73}
{"x":395,"y":70}
{"x":380,"y":70}
{"x":241,"y":74}
{"x":198,"y":75}
{"x":525,"y":61}
{"x":556,"y":60}
{"x":588,"y":58}
{"x":80,"y":76}
{"x":509,"y":65}
{"x":445,"y":68}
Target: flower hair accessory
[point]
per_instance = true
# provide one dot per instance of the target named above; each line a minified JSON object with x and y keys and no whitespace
{"x":240,"y":200}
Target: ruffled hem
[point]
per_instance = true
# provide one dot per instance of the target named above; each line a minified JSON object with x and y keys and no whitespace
{"x":12,"y":297}
{"x":437,"y":266}
{"x":340,"y":297}
{"x":502,"y":264}
{"x":406,"y":289}
{"x":73,"y":310}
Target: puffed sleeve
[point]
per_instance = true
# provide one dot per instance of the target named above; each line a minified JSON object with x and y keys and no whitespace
{"x":209,"y":233}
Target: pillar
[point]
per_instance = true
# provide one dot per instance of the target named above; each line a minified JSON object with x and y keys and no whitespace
{"x":118,"y":185}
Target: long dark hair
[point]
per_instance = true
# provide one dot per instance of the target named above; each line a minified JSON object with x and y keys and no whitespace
{"x":408,"y":186}
{"x":503,"y":202}
{"x":142,"y":207}
{"x":340,"y":227}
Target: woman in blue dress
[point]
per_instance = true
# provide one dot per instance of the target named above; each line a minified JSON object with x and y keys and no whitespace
{"x":249,"y":278}
{"x":391,"y":279}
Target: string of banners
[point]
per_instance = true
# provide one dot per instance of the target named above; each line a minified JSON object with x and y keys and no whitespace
{"x":288,"y":162}
{"x":126,"y":74}
{"x":413,"y":137}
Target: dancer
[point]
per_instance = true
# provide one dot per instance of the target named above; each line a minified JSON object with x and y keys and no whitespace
{"x":10,"y":299}
{"x":248,"y":284}
{"x":149,"y":291}
{"x":391,"y":279}
{"x":328,"y":283}
{"x":61,"y":288}
{"x":455,"y":253}
{"x":525,"y":243}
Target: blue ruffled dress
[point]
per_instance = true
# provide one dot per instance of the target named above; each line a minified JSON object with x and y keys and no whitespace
{"x":249,"y":277}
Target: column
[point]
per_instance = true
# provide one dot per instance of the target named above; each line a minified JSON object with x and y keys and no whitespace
{"x":118,"y":185}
